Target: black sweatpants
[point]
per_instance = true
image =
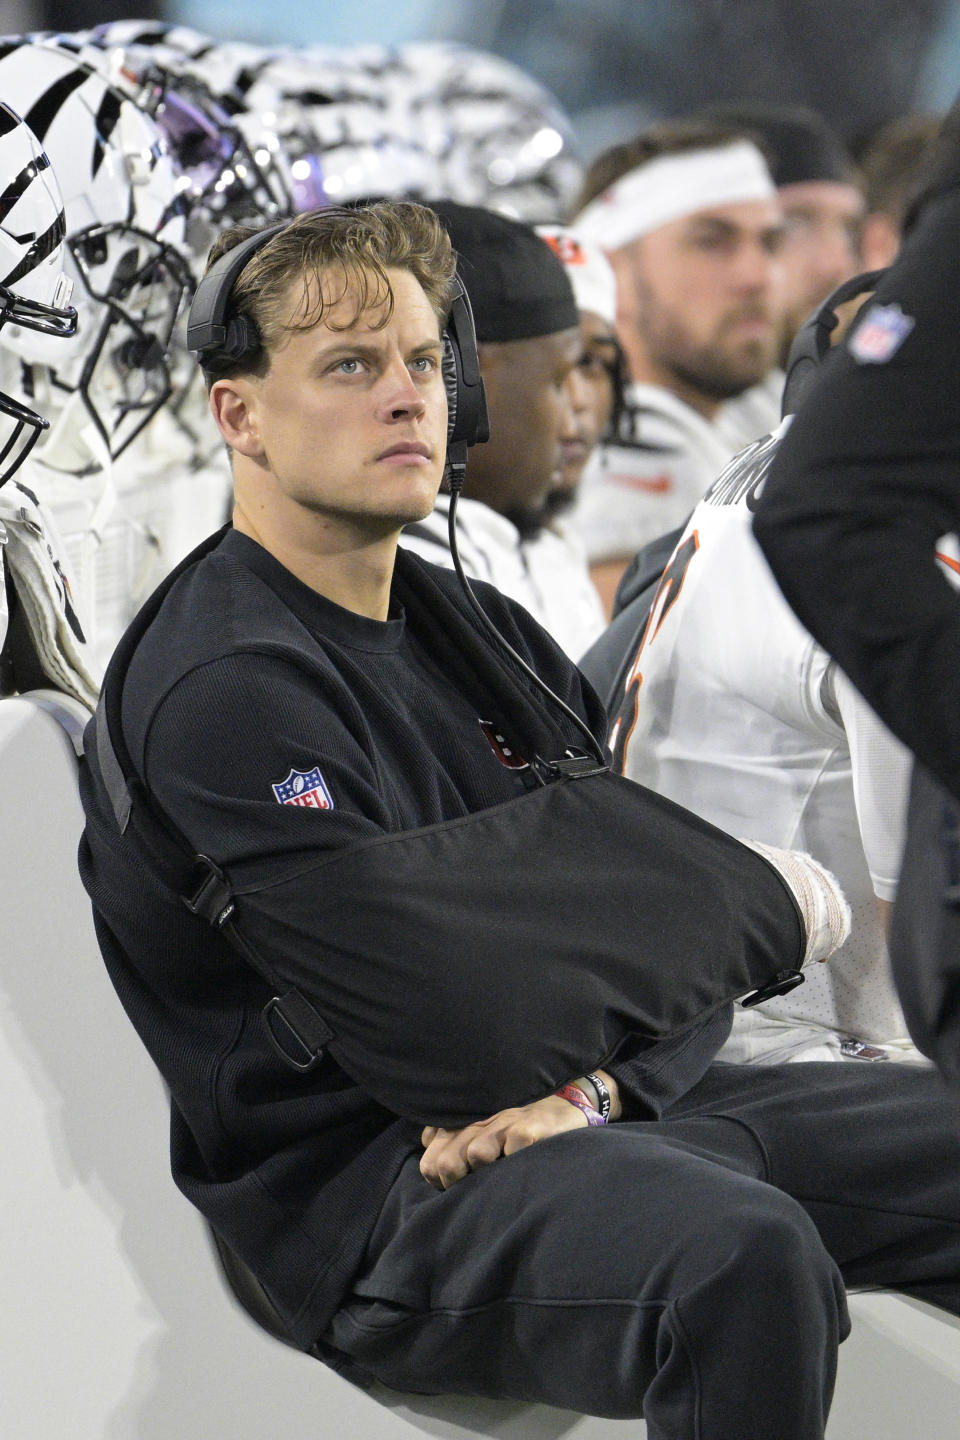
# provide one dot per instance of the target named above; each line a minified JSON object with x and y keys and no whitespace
{"x":691,"y":1270}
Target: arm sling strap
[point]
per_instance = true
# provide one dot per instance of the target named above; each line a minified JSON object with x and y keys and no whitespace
{"x":462,"y":967}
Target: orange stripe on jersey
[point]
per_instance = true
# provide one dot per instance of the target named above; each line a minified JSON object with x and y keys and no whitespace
{"x":667,"y":594}
{"x":653,"y":484}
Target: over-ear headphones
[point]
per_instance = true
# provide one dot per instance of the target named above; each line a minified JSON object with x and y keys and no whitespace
{"x":812,"y":341}
{"x":469,"y":423}
{"x":215,"y":337}
{"x":220,"y":338}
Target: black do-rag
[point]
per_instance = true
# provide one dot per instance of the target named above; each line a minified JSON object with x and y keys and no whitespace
{"x":518,"y":288}
{"x":800,"y":145}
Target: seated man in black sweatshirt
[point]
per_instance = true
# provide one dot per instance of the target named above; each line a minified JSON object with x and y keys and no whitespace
{"x":381,"y":1099}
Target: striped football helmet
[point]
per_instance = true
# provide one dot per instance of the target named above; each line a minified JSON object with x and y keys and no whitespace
{"x":124,"y":243}
{"x":340,"y":135}
{"x":34,"y":291}
{"x":500,"y":138}
{"x":223,"y":178}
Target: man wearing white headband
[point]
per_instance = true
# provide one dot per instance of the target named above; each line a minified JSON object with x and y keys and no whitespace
{"x":689,"y":218}
{"x":823,"y":208}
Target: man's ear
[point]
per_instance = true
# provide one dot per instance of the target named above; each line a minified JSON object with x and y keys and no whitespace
{"x":234,"y":408}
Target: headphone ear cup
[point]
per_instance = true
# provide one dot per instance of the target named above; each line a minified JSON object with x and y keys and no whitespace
{"x":468,"y":404}
{"x":448,"y":369}
{"x":467,"y":422}
{"x":242,"y":339}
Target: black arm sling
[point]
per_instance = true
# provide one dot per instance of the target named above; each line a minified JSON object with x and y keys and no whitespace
{"x":925,"y":927}
{"x":459,"y":968}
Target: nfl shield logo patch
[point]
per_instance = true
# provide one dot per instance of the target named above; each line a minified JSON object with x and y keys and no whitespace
{"x":304,"y":787}
{"x":880,"y":334}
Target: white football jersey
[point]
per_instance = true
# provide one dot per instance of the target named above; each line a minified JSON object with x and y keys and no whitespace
{"x":755,"y":413}
{"x":548,"y":575}
{"x":734,"y":711}
{"x":647,"y":481}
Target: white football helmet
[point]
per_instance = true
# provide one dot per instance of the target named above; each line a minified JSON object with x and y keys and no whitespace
{"x":124,"y":241}
{"x":167,"y":40}
{"x":34,"y":291}
{"x":222,"y":181}
{"x":501,"y":139}
{"x":229,"y":68}
{"x":340,"y":135}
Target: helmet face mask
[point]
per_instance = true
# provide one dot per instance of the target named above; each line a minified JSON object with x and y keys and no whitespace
{"x":220,"y":180}
{"x":139,"y":285}
{"x":34,"y":292}
{"x":57,"y":318}
{"x":19,"y":432}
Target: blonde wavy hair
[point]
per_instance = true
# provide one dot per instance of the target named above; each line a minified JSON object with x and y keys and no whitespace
{"x":331,"y":252}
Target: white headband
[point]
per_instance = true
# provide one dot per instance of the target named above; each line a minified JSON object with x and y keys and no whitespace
{"x":590,"y":272}
{"x":672,"y":186}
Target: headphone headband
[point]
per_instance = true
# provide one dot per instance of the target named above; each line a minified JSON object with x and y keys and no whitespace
{"x":207,"y":322}
{"x":812,"y":343}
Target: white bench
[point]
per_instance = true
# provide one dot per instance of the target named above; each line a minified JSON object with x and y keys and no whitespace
{"x":115,"y":1320}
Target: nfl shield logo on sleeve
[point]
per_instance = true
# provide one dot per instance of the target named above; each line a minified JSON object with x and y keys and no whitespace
{"x":880,"y":334}
{"x":304,"y":787}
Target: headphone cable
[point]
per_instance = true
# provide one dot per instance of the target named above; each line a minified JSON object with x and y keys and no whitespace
{"x":457,"y":473}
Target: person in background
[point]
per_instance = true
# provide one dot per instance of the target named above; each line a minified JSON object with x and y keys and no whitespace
{"x":598,"y":401}
{"x":597,"y":385}
{"x":528,"y":332}
{"x":858,"y":521}
{"x":821,"y":197}
{"x":893,"y":166}
{"x":731,"y":709}
{"x":823,"y":207}
{"x":689,"y":218}
{"x":865,"y":485}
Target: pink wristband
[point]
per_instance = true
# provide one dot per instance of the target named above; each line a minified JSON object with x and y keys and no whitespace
{"x":577,"y":1097}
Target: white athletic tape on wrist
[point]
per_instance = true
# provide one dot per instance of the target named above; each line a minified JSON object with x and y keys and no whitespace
{"x":826,"y":914}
